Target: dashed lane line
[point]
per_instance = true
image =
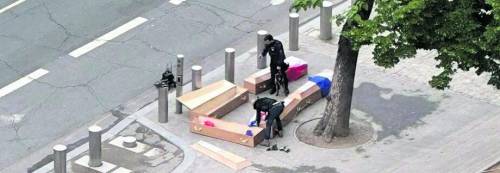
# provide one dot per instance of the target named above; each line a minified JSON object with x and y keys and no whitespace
{"x":22,"y":82}
{"x":176,"y":2}
{"x":4,"y":9}
{"x":107,"y":37}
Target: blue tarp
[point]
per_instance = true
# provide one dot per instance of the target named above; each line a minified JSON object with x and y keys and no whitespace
{"x":323,"y":83}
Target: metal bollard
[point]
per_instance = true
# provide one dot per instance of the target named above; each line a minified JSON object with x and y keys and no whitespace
{"x":95,"y":150}
{"x":325,"y":28}
{"x":60,"y":158}
{"x":196,"y":77}
{"x":178,"y":89}
{"x":293,"y":33}
{"x":261,"y":61}
{"x":163,"y":104}
{"x":230,"y":55}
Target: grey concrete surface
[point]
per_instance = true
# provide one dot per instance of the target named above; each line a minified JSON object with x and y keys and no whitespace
{"x":78,"y":91}
{"x":417,"y":128}
{"x":165,"y":158}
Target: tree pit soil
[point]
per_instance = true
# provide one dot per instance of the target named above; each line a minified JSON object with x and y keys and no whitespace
{"x":360,"y":133}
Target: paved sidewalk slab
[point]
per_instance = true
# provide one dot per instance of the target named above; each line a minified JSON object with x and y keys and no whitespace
{"x":417,"y":128}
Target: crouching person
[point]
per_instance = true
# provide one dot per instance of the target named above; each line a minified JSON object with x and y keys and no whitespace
{"x":262,"y":105}
{"x":274,"y":115}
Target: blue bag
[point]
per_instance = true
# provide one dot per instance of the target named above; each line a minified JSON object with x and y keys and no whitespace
{"x":323,"y":83}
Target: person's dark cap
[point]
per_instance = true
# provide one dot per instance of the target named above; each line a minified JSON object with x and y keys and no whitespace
{"x":268,"y":37}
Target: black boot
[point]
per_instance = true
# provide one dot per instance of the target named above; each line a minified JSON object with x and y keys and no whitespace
{"x":286,"y":92}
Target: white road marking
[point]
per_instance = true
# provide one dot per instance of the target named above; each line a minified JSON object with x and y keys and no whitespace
{"x":176,"y":2}
{"x":23,"y":81}
{"x":4,"y":9}
{"x":107,"y":37}
{"x":277,"y":2}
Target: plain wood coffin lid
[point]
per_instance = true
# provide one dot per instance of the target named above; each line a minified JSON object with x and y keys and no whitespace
{"x":228,"y":126}
{"x":196,"y":98}
{"x":227,"y":158}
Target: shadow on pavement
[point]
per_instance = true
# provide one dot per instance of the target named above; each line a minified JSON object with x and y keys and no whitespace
{"x":394,"y":114}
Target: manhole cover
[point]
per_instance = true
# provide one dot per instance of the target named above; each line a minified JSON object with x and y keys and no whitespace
{"x":361,"y":132}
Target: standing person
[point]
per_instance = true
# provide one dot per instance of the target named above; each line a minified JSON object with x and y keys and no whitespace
{"x":277,"y":54}
{"x":274,"y":114}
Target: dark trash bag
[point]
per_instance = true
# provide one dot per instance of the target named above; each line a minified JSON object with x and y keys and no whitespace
{"x":323,"y":83}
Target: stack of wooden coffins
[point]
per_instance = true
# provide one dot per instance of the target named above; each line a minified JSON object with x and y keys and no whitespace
{"x":214,"y":101}
{"x":259,"y":81}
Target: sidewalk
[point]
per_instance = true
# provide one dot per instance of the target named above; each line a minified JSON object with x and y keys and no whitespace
{"x":417,"y":128}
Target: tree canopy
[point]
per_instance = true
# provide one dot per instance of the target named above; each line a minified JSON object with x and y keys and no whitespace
{"x":464,"y":32}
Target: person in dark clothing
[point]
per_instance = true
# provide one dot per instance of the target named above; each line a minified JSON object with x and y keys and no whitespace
{"x":277,"y":54}
{"x":274,"y":114}
{"x":262,"y":105}
{"x":167,"y":79}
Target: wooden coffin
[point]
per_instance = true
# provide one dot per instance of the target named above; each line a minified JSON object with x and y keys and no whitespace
{"x":223,"y":104}
{"x":310,"y":92}
{"x":302,"y":97}
{"x":307,"y":94}
{"x":205,"y":94}
{"x":229,"y":131}
{"x":258,"y":82}
{"x":290,"y":111}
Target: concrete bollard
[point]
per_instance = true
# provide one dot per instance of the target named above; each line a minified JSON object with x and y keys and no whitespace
{"x":95,"y":150}
{"x":196,"y":77}
{"x":163,"y":104}
{"x":293,"y":33}
{"x":179,"y":82}
{"x":261,"y":61}
{"x":325,"y":28}
{"x":230,"y":55}
{"x":60,"y":158}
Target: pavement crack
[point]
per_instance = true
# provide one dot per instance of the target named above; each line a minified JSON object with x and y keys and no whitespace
{"x":67,"y":33}
{"x":10,"y":66}
{"x":219,"y":8}
{"x":154,"y":48}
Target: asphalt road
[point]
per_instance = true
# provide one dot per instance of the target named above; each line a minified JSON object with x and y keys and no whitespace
{"x":67,"y":92}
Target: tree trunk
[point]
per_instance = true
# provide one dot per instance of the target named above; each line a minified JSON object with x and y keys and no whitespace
{"x":335,"y":120}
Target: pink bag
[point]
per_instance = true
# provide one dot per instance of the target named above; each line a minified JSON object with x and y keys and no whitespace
{"x":295,"y":72}
{"x":297,"y":68}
